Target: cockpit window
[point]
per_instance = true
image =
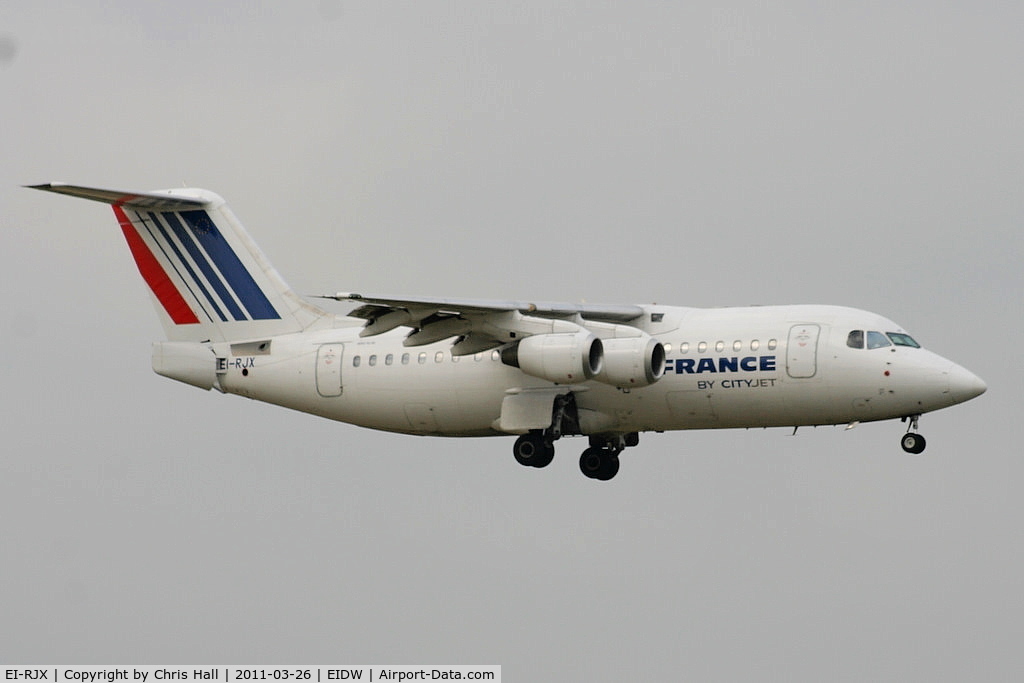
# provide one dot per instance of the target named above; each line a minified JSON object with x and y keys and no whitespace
{"x":900,"y":339}
{"x":855,"y":340}
{"x":877,"y":340}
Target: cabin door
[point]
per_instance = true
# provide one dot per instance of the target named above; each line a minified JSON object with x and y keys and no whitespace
{"x":328,"y":369}
{"x":802,"y":351}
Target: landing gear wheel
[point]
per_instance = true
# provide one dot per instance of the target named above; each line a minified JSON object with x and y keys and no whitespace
{"x":912,"y":443}
{"x":590,"y":462}
{"x":611,"y":467}
{"x":546,"y":455}
{"x":533,"y":450}
{"x":599,"y":463}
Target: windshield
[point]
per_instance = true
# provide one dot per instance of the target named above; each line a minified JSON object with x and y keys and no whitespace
{"x":900,"y":339}
{"x":877,"y":340}
{"x":858,"y":339}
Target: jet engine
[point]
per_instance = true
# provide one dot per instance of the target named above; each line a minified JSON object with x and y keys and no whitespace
{"x":632,"y":362}
{"x":565,"y":358}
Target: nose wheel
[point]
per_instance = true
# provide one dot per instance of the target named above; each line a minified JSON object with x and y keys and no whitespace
{"x":912,"y":442}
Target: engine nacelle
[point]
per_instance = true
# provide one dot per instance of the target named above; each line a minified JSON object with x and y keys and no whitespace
{"x":632,"y":362}
{"x":565,"y":358}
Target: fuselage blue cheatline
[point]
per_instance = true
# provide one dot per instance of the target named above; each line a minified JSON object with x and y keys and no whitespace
{"x":464,"y":367}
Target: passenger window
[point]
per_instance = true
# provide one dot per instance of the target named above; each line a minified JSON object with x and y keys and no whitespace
{"x":389,"y":359}
{"x":684,"y":347}
{"x":900,"y":339}
{"x":373,"y":360}
{"x":755,"y":345}
{"x":422,"y":358}
{"x":455,"y":359}
{"x":668,"y":348}
{"x":478,"y":357}
{"x":439,"y":356}
{"x":719,"y":345}
{"x":356,"y":360}
{"x":495,"y":355}
{"x":877,"y":340}
{"x":702,"y":347}
{"x":405,"y":359}
{"x":773,"y":344}
{"x":737,"y":345}
{"x":855,"y":340}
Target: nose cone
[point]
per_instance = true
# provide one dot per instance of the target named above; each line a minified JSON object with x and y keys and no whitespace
{"x":964,"y":384}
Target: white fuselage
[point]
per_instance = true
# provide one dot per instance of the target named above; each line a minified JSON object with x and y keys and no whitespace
{"x":727,"y":367}
{"x":539,"y":370}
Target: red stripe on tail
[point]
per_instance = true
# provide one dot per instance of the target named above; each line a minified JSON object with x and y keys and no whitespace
{"x":154,"y":274}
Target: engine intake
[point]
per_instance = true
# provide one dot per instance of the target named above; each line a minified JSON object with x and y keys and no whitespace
{"x":632,"y":362}
{"x":564,"y":358}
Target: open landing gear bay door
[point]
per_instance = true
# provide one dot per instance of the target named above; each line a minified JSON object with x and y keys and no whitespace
{"x":526,"y":409}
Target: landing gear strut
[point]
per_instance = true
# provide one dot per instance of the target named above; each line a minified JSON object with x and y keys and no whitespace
{"x":912,"y":442}
{"x":537,"y":448}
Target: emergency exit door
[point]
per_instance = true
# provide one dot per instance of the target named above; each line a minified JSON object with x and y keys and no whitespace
{"x":802,"y":351}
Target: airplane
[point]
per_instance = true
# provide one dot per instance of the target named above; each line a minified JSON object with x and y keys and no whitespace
{"x":534,"y":370}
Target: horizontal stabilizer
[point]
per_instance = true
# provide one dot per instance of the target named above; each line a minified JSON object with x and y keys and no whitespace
{"x":165,"y":200}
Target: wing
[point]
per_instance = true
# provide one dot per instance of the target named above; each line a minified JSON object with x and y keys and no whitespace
{"x":478,"y":324}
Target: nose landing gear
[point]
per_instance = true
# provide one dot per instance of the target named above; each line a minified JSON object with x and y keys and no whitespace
{"x":912,"y":442}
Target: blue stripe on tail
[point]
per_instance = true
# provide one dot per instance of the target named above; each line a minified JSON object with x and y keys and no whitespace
{"x":204,"y":264}
{"x":234,"y":272}
{"x":192,"y":277}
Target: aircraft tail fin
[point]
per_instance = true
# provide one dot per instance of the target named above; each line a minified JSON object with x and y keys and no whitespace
{"x":208,"y":279}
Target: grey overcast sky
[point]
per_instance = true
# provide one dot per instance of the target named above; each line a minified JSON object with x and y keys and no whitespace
{"x":699,"y":153}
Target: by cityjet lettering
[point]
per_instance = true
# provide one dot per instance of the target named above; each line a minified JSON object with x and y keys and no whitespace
{"x":696,"y":366}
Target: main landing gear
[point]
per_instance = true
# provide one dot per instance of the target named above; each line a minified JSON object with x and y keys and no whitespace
{"x":912,"y":442}
{"x":534,"y":450}
{"x":600,"y":461}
